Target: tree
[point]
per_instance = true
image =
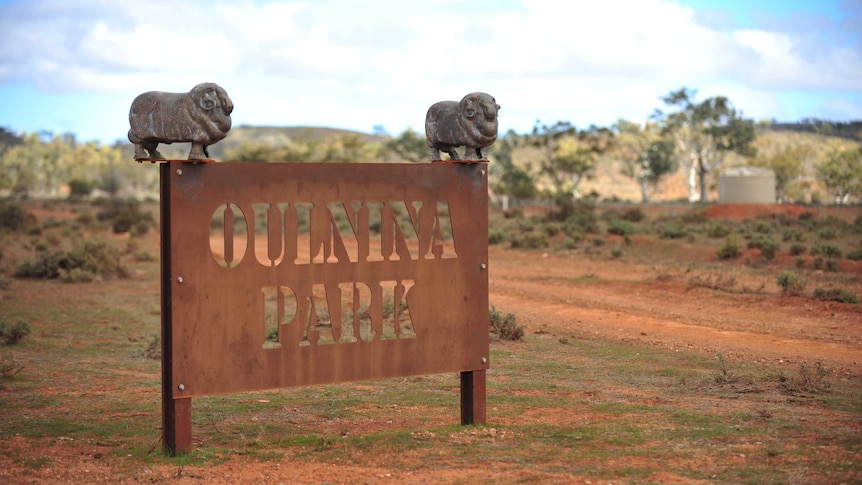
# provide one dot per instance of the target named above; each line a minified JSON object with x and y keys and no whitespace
{"x":567,"y":155}
{"x":787,"y":165}
{"x":409,"y":145}
{"x":703,"y":133}
{"x":505,"y":177}
{"x":646,"y":154}
{"x":841,"y":172}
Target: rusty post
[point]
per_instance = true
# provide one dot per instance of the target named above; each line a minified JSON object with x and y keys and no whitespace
{"x":176,"y":413}
{"x":473,"y":398}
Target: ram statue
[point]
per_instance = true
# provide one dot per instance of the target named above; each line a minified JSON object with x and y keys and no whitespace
{"x":201,"y":117}
{"x":471,"y":123}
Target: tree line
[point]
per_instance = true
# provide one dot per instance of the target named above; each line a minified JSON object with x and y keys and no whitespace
{"x":551,"y":161}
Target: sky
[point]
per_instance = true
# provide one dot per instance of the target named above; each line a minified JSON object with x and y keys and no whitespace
{"x":75,"y":67}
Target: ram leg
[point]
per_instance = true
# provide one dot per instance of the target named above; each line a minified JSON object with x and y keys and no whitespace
{"x":152,"y":148}
{"x":140,"y":153}
{"x":198,"y":152}
{"x":453,"y":154}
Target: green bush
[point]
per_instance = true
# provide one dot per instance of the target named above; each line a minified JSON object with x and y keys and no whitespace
{"x":855,"y":255}
{"x":530,"y":240}
{"x":793,"y":235}
{"x":835,"y":294}
{"x":717,"y":231}
{"x":13,"y":217}
{"x":826,"y":250}
{"x":672,"y":231}
{"x":767,"y":246}
{"x":798,"y":249}
{"x":791,"y":283}
{"x":633,"y":215}
{"x":12,"y":333}
{"x":621,"y":227}
{"x":768,"y":249}
{"x":693,"y":218}
{"x":125,"y":215}
{"x":89,"y":260}
{"x":817,"y":263}
{"x":496,"y":237}
{"x":80,"y":189}
{"x":730,"y":249}
{"x":505,"y":326}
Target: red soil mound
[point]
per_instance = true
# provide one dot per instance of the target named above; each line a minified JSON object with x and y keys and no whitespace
{"x":738,"y":212}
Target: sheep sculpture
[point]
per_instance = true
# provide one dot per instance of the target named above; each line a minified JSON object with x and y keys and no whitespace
{"x":201,"y":116}
{"x":471,"y":123}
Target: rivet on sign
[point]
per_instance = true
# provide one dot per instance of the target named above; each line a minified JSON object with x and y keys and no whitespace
{"x":179,"y":279}
{"x":179,"y":171}
{"x":484,"y":360}
{"x":483,"y":266}
{"x":181,"y":387}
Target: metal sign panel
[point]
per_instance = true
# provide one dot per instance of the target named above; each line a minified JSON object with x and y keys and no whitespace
{"x":296,"y":274}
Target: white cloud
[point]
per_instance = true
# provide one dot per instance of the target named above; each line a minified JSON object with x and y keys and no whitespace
{"x":285,"y":62}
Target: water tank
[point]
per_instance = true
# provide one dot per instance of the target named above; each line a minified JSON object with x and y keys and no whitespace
{"x":746,"y":185}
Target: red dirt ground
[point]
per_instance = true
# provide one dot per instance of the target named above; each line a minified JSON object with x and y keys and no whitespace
{"x":550,"y":294}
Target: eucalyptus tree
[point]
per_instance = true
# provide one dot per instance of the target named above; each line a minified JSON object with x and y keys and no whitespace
{"x":788,"y":166}
{"x":841,"y":172}
{"x":647,"y":154}
{"x":704,"y":132}
{"x":567,"y":155}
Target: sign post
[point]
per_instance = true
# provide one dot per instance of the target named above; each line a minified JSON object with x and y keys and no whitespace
{"x":277,"y":275}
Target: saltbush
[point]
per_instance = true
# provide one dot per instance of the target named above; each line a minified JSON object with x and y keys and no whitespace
{"x":621,"y":227}
{"x":791,"y":283}
{"x":13,"y":217}
{"x":730,"y":249}
{"x":717,"y":231}
{"x":12,"y":332}
{"x":672,"y":231}
{"x":505,"y":326}
{"x":825,"y":250}
{"x":125,"y":216}
{"x":797,"y":249}
{"x":835,"y":294}
{"x":84,"y":263}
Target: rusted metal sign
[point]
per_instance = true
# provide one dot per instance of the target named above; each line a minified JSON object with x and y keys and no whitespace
{"x":278,"y":275}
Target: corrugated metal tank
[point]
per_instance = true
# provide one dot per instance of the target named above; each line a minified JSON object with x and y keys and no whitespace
{"x":746,"y":185}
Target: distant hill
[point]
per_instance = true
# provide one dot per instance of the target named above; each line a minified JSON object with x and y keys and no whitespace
{"x":849,"y":129}
{"x":260,"y":135}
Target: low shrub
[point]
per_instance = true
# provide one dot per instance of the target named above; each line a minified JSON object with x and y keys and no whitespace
{"x":89,"y":260}
{"x":730,"y":249}
{"x":835,"y":294}
{"x":672,"y":231}
{"x":791,"y":283}
{"x":797,"y":249}
{"x":621,"y":227}
{"x":496,"y":237}
{"x":793,"y":235}
{"x":633,"y":215}
{"x":855,"y":255}
{"x":693,"y":218}
{"x":808,"y":380}
{"x":505,"y":326}
{"x":125,"y":216}
{"x":12,"y":332}
{"x":530,"y":240}
{"x":717,"y":231}
{"x":826,"y":250}
{"x":13,"y":217}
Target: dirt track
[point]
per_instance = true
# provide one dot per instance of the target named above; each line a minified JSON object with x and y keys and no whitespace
{"x":656,"y":306}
